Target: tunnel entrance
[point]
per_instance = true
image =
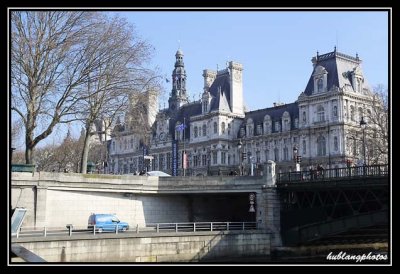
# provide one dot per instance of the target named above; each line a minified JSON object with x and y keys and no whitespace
{"x":226,"y":207}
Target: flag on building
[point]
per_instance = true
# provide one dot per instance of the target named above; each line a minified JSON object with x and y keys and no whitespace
{"x":180,"y":127}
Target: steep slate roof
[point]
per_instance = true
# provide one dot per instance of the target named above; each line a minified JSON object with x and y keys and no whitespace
{"x":220,"y":91}
{"x":338,"y":66}
{"x":275,"y":113}
{"x":186,"y":111}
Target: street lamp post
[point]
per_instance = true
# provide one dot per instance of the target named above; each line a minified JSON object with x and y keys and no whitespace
{"x":363,"y":124}
{"x":239,"y":145}
{"x":295,"y":158}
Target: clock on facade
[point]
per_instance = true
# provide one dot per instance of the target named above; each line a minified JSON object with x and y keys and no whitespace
{"x":162,"y":136}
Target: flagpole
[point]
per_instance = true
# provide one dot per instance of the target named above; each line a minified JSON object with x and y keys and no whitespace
{"x":184,"y":153}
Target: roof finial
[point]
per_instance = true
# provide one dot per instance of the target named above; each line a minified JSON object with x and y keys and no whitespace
{"x":335,"y":49}
{"x":357,"y":56}
{"x":317,"y":55}
{"x":217,"y":67}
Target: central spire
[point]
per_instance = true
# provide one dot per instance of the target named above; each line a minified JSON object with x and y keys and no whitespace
{"x":178,"y":95}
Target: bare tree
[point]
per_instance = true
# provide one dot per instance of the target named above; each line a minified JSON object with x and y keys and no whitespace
{"x":47,"y":69}
{"x":377,"y":130}
{"x":118,"y":55}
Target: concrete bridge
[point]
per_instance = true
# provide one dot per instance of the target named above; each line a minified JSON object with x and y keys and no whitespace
{"x":306,"y":205}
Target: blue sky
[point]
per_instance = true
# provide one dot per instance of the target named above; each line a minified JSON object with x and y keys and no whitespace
{"x":274,"y":47}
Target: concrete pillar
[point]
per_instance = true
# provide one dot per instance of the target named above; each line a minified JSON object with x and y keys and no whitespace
{"x":40,"y":206}
{"x":270,"y":205}
{"x":269,"y":173}
{"x":273,"y":215}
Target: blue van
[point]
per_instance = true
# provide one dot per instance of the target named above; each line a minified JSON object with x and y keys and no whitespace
{"x":106,"y":222}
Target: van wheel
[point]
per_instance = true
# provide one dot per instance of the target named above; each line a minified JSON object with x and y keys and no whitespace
{"x":124,"y":228}
{"x":100,"y":230}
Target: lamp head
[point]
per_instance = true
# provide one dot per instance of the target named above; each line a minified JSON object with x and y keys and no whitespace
{"x":240,"y":144}
{"x":363,"y":124}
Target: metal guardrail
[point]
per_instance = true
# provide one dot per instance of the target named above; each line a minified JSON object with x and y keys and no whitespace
{"x":152,"y":227}
{"x":333,"y":174}
{"x":202,"y":226}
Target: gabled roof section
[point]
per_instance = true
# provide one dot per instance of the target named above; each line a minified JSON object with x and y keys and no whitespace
{"x":338,"y":66}
{"x":220,"y":91}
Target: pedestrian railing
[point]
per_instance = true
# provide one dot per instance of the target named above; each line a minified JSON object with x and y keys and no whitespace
{"x":333,"y":173}
{"x":70,"y":229}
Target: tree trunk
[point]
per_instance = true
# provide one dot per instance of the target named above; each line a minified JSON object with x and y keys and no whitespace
{"x":85,"y":151}
{"x":28,"y":154}
{"x":29,"y":147}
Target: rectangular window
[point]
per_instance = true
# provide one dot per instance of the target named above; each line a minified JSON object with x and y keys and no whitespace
{"x":258,"y":157}
{"x":161,"y":162}
{"x":214,"y":157}
{"x":168,"y":160}
{"x":223,"y":156}
{"x":204,"y":160}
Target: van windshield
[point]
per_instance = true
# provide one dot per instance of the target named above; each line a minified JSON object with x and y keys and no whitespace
{"x":114,"y":219}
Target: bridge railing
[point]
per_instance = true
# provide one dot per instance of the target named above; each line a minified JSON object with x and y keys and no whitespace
{"x":333,"y":173}
{"x":202,"y":226}
{"x":151,"y":227}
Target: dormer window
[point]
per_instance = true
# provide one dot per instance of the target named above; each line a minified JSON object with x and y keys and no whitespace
{"x":320,"y":79}
{"x":277,"y":126}
{"x":320,"y":85}
{"x":359,"y":85}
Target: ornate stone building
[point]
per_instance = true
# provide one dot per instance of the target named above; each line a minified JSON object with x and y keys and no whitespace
{"x":323,"y":124}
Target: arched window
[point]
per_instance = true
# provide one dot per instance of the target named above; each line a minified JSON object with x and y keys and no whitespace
{"x":334,"y":111}
{"x":204,"y":130}
{"x":131,"y":142}
{"x":304,"y":147}
{"x":354,"y":146}
{"x":266,"y":155}
{"x":215,"y":128}
{"x":304,"y":117}
{"x":196,"y":132}
{"x":242,"y":132}
{"x":321,"y":146}
{"x":320,"y":85}
{"x":113,"y":146}
{"x":335,"y":143}
{"x":285,"y":154}
{"x":320,"y":113}
{"x":223,"y":127}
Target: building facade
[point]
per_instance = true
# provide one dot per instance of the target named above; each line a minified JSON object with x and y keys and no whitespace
{"x":322,"y":126}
